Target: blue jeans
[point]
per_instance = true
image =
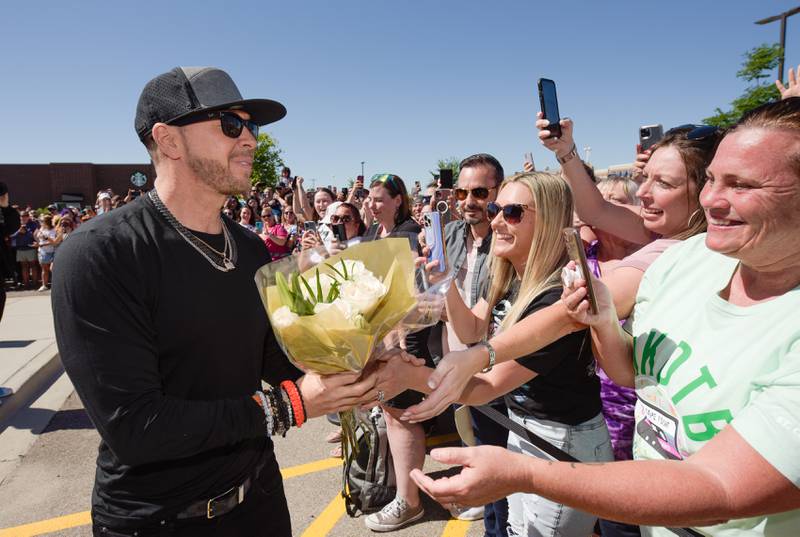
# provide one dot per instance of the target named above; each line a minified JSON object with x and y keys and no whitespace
{"x":488,"y":432}
{"x":530,"y":515}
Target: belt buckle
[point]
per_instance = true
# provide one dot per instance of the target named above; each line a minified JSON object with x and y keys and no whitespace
{"x":210,"y":508}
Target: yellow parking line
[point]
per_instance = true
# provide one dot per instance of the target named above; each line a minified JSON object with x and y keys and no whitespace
{"x":47,"y":526}
{"x":316,"y":466}
{"x":456,"y":528}
{"x":83,"y":518}
{"x":434,"y":441}
{"x":327,"y":519}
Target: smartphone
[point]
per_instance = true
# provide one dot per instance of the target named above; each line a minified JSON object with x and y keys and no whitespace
{"x":446,"y":179}
{"x":434,"y":239}
{"x":528,"y":157}
{"x":548,"y":102}
{"x":259,"y":226}
{"x":345,"y":191}
{"x":572,"y":238}
{"x":310,"y":225}
{"x":339,"y":232}
{"x":650,"y":135}
{"x":294,"y":183}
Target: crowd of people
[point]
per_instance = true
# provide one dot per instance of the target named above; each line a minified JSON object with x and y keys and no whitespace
{"x":675,"y":401}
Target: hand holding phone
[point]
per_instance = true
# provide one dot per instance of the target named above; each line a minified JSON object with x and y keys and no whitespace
{"x":340,"y":232}
{"x":434,"y":239}
{"x":576,"y":253}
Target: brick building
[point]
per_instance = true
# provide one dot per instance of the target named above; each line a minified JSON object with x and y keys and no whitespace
{"x":39,"y":185}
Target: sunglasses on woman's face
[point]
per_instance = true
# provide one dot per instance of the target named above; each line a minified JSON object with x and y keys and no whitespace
{"x":232,"y":125}
{"x":346,"y":219}
{"x":479,"y":193}
{"x":512,"y":213}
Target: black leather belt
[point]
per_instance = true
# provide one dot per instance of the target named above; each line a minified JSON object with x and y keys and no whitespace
{"x":218,"y":505}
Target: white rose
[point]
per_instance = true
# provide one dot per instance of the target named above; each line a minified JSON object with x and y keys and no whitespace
{"x":362,"y":294}
{"x":283,"y":317}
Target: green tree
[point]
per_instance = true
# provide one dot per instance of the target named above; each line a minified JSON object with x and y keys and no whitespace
{"x":443,"y":164}
{"x":756,"y":72}
{"x":266,"y":162}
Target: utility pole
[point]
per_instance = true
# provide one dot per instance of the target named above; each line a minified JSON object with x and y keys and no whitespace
{"x":782,"y":17}
{"x":588,"y":152}
{"x":362,"y":168}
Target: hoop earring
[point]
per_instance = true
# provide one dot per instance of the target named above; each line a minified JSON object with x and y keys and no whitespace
{"x":691,"y":217}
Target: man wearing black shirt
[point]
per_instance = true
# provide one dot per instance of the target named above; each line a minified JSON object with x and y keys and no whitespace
{"x":168,"y":372}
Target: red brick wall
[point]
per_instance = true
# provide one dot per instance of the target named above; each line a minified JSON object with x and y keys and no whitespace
{"x":41,"y":184}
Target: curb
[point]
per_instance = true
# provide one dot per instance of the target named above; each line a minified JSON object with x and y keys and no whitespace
{"x":30,"y":381}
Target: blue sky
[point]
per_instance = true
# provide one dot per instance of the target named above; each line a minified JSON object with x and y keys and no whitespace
{"x":396,"y":84}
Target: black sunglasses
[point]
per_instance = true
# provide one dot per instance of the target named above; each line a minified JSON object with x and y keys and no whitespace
{"x":695,"y":132}
{"x":232,"y":124}
{"x":512,"y":213}
{"x":477,"y":193}
{"x":346,"y":219}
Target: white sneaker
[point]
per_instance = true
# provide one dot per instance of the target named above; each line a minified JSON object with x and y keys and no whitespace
{"x":467,"y":513}
{"x":42,"y":288}
{"x":394,"y":516}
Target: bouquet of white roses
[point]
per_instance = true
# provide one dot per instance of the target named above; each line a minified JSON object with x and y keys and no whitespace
{"x":330,"y":314}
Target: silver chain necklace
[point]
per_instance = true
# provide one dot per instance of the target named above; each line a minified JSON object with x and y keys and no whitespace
{"x":223,"y":261}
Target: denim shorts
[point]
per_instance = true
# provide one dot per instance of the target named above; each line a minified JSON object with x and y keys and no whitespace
{"x":46,"y":257}
{"x":533,"y":515}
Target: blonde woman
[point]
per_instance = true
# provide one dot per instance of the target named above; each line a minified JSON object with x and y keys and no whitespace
{"x":553,"y":392}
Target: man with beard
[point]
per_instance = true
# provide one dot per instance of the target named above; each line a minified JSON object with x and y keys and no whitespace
{"x":170,"y":374}
{"x":468,"y":243}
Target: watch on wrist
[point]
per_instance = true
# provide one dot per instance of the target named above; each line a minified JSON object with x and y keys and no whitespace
{"x":569,"y":156}
{"x":491,"y":356}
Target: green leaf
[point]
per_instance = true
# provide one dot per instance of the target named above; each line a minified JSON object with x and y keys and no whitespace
{"x":335,"y":270}
{"x":308,"y":288}
{"x":333,"y":294}
{"x":319,"y":287}
{"x":287,"y":299}
{"x":344,"y":269}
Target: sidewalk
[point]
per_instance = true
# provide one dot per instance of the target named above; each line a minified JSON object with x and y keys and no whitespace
{"x":31,"y":368}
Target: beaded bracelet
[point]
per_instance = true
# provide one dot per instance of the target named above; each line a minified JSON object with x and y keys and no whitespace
{"x":296,"y":401}
{"x":288,"y":406}
{"x":280,"y":422}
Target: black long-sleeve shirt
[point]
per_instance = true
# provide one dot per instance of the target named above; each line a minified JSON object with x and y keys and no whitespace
{"x":165,"y":352}
{"x":9,"y":223}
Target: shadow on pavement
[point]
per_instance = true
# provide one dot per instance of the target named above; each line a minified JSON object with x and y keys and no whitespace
{"x":69,"y":420}
{"x":15,"y":344}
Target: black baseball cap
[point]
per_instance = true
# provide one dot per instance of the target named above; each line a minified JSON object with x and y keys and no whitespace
{"x":186,"y":91}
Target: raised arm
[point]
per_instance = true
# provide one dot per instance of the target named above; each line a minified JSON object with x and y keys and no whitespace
{"x":300,"y":200}
{"x":620,"y":220}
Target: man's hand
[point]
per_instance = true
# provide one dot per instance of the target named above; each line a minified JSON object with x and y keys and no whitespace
{"x":489,"y":473}
{"x":324,"y":394}
{"x":392,"y":370}
{"x":794,"y":86}
{"x":448,"y":382}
